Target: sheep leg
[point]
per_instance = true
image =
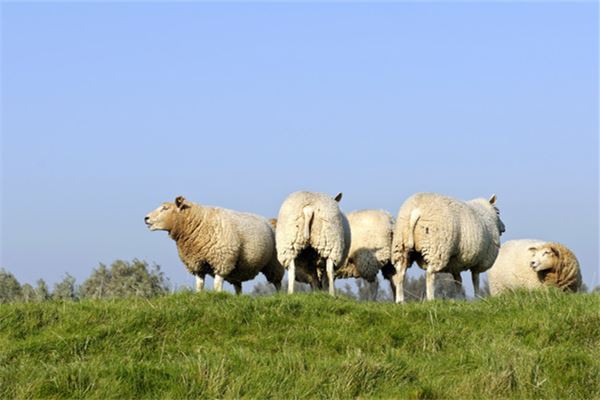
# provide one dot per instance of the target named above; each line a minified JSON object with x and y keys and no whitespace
{"x":398,"y":281}
{"x":330,"y":276}
{"x":238,"y":288}
{"x":475,"y":278}
{"x":430,"y":279}
{"x":218,"y":287}
{"x":277,"y":286}
{"x":291,"y":277}
{"x":199,"y":283}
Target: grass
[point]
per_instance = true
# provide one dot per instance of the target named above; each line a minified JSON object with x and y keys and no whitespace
{"x":521,"y":345}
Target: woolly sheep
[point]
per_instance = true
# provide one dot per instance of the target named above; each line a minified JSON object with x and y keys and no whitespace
{"x":443,"y":234}
{"x":226,"y":244}
{"x":370,"y":247}
{"x":304,"y":273}
{"x":313,"y":233}
{"x":533,"y":264}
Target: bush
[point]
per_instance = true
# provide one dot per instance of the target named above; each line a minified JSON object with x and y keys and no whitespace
{"x":10,"y":289}
{"x":125,"y":279}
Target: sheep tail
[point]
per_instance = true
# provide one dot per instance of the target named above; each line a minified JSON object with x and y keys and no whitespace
{"x":414,"y":217}
{"x":308,"y":216}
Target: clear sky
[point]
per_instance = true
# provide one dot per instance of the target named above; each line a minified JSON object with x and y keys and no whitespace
{"x":110,"y":109}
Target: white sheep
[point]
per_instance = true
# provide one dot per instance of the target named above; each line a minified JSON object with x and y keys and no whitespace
{"x":443,"y":234}
{"x":226,"y":244}
{"x":370,"y":247}
{"x":313,"y":234}
{"x":534,"y":264}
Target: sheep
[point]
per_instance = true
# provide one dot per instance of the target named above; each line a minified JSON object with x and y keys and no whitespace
{"x":370,"y":248}
{"x":534,"y":264}
{"x":313,"y":234}
{"x":443,"y":234}
{"x":222,"y":243}
{"x":303,"y":271}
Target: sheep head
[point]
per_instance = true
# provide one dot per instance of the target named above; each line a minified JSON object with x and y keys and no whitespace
{"x":544,"y":257}
{"x":163,"y":218}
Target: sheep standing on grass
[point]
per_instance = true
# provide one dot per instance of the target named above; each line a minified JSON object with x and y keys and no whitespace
{"x":443,"y":234}
{"x":533,"y":264}
{"x":370,"y":248}
{"x":313,"y":234}
{"x":303,"y":271}
{"x":226,"y":244}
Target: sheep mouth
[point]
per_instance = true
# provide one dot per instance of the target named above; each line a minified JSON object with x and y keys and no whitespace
{"x":150,"y":225}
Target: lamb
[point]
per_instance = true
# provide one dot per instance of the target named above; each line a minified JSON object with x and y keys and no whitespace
{"x":370,"y":248}
{"x":222,"y":243}
{"x":534,"y":264}
{"x":313,"y":233}
{"x":443,"y":234}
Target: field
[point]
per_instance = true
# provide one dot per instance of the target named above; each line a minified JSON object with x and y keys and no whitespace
{"x":521,"y":345}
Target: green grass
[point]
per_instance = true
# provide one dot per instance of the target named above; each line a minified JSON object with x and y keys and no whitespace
{"x":521,"y":345}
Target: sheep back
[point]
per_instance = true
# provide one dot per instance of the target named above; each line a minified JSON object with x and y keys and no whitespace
{"x":370,"y":247}
{"x":232,"y":244}
{"x":447,"y":233}
{"x":311,"y":220}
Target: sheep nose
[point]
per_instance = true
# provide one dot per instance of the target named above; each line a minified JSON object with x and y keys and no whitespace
{"x":146,"y":219}
{"x":532,"y":264}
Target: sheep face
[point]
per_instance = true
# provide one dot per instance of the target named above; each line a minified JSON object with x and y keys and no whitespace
{"x":164,"y":217}
{"x":543,"y":258}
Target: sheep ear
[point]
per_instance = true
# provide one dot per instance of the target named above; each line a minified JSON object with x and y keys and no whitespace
{"x":180,"y":202}
{"x":338,"y":197}
{"x":493,"y":200}
{"x":555,"y":251}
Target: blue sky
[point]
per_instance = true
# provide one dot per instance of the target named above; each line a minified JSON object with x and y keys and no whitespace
{"x":110,"y":109}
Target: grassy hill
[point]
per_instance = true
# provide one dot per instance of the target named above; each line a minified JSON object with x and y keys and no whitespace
{"x":542,"y":345}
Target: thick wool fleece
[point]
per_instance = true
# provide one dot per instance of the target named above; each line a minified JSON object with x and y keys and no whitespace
{"x":232,"y":244}
{"x":314,"y":221}
{"x":446,"y":234}
{"x":512,"y":269}
{"x":371,"y":245}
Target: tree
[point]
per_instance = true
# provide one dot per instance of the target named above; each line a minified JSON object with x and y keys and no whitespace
{"x":27,"y":293}
{"x":96,"y":286}
{"x":266,"y":288}
{"x":41,"y":291}
{"x":484,"y":288}
{"x":363,"y":291}
{"x":445,"y":288}
{"x":65,"y":290}
{"x":125,"y":279}
{"x":347,"y":291}
{"x":414,"y":288}
{"x":583,"y":288}
{"x":10,"y":289}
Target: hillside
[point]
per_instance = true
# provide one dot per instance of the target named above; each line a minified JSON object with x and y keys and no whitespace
{"x":303,"y":346}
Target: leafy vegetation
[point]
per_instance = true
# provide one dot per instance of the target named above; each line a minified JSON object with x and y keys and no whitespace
{"x":121,"y":279}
